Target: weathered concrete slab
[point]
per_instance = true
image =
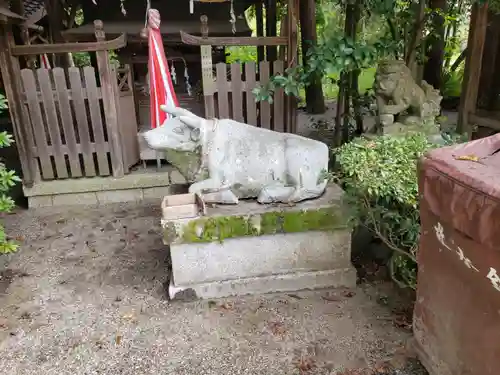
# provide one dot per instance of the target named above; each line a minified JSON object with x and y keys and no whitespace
{"x":253,"y":248}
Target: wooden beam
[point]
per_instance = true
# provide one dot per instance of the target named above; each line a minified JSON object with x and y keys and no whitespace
{"x":11,"y":74}
{"x":473,"y":62}
{"x":107,"y":78}
{"x":233,"y":41}
{"x":481,"y":120}
{"x":39,"y":49}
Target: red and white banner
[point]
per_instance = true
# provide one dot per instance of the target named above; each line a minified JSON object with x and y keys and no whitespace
{"x":160,"y":81}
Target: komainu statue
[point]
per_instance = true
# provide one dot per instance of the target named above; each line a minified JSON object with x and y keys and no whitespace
{"x":400,"y":98}
{"x":243,"y":161}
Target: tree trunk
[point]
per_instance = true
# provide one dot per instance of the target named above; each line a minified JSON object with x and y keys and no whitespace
{"x":271,"y":21}
{"x":315,"y":101}
{"x":433,"y":68}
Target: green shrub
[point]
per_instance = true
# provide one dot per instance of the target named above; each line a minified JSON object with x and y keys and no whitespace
{"x":8,"y":179}
{"x":380,"y":179}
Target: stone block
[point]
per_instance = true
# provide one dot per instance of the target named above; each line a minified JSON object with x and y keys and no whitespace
{"x":117,"y":196}
{"x":40,"y":201}
{"x":254,"y":248}
{"x":339,"y":278}
{"x":255,"y":256}
{"x":157,"y":192}
{"x":73,"y":199}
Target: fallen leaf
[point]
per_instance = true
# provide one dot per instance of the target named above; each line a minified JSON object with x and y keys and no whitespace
{"x":348,"y":294}
{"x":305,"y":364}
{"x":468,"y":158}
{"x":118,"y":339}
{"x":227,"y":306}
{"x":277,"y":328}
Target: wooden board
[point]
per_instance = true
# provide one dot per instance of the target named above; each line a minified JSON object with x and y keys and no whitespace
{"x":78,"y":100}
{"x":222,"y":91}
{"x":67,"y":121}
{"x":96,"y":120}
{"x":279,"y":101}
{"x":237,"y":92}
{"x":37,"y":123}
{"x":250,"y":73}
{"x":52,"y":122}
{"x":265,"y":106}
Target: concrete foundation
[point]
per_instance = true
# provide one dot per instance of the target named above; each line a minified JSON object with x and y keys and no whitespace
{"x":142,"y":184}
{"x":255,"y":257}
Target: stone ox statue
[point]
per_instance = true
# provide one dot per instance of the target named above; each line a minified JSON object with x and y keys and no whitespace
{"x":243,"y":161}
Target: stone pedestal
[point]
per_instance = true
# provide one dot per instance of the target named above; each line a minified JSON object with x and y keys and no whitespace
{"x":251,"y":248}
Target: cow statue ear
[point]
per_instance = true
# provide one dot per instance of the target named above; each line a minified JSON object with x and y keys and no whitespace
{"x":192,"y":122}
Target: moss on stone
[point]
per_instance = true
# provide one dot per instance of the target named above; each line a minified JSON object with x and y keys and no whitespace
{"x":270,"y":223}
{"x":217,"y":229}
{"x":224,"y":227}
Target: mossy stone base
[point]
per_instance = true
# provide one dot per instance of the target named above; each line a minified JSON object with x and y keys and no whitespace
{"x":249,"y":218}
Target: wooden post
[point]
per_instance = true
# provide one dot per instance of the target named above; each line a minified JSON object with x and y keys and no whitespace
{"x":271,"y":20}
{"x":315,"y":101}
{"x":23,"y":134}
{"x":292,"y":32}
{"x":207,"y":73}
{"x":260,"y":30}
{"x":473,"y":62}
{"x":110,"y":104}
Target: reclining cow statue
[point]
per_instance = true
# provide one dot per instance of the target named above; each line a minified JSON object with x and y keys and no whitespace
{"x":243,"y":161}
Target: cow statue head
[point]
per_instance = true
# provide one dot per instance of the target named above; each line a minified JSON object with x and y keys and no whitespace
{"x":180,"y":133}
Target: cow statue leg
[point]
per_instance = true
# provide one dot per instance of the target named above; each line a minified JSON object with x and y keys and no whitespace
{"x":304,"y":176}
{"x":212,"y":191}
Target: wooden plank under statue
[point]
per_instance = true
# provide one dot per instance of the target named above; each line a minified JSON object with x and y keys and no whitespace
{"x":270,"y":222}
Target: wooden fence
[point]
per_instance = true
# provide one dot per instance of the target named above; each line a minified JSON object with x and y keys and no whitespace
{"x":231,"y":95}
{"x":67,"y":117}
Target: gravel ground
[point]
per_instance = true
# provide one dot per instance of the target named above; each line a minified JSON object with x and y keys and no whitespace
{"x":85,"y":294}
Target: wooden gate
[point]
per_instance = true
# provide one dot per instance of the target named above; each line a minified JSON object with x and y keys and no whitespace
{"x":68,"y":121}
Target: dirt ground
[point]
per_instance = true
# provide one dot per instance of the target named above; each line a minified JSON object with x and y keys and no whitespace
{"x":85,"y":294}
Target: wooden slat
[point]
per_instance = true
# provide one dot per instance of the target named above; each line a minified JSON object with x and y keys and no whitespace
{"x":37,"y":123}
{"x":39,"y":49}
{"x":109,"y":101}
{"x":237,"y":92}
{"x":77,"y":97}
{"x":84,"y":93}
{"x":79,"y":148}
{"x":279,"y":101}
{"x":233,"y":41}
{"x":52,"y":121}
{"x":96,"y":120}
{"x":222,"y":97}
{"x":250,"y":73}
{"x":67,"y":121}
{"x":265,"y":106}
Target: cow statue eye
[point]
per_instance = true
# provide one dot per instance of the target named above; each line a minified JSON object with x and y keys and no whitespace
{"x":195,"y":135}
{"x":178,"y":130}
